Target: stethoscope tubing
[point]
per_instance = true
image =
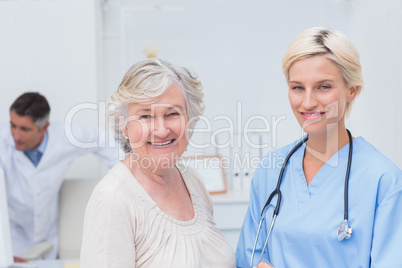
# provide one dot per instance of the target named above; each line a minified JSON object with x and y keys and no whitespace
{"x":278,"y":184}
{"x":266,"y":240}
{"x":346,"y":190}
{"x":278,"y":192}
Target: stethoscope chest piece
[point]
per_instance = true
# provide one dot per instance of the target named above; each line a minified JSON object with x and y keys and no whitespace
{"x":344,"y":231}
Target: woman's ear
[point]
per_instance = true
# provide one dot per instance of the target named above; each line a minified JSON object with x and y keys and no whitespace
{"x":353,"y":93}
{"x":123,"y":127}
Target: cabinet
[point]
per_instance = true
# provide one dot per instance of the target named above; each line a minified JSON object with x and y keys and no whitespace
{"x":229,"y":211}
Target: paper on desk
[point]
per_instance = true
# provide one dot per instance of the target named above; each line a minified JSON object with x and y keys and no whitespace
{"x":72,"y":264}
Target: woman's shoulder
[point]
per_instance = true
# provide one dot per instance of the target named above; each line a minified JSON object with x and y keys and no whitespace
{"x":193,"y":180}
{"x":188,"y":171}
{"x":368,"y":156}
{"x":190,"y":175}
{"x":115,"y":176}
{"x":117,"y":185}
{"x":375,"y":168}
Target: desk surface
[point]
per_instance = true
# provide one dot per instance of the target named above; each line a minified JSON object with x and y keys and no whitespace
{"x":56,"y":263}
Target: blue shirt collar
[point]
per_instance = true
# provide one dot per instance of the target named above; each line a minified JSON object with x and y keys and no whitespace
{"x":42,"y":146}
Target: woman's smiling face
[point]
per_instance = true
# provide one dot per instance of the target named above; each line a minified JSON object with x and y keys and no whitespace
{"x":318,"y":94}
{"x":158,"y":132}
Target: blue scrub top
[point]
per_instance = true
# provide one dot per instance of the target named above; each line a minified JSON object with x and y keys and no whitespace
{"x":304,"y":234}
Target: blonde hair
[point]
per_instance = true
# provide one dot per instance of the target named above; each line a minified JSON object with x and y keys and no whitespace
{"x":333,"y":45}
{"x":144,"y":83}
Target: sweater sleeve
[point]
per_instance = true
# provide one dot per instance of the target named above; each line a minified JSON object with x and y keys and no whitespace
{"x":108,"y":239}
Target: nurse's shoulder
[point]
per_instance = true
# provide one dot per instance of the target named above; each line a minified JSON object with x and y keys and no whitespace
{"x":376,"y":168}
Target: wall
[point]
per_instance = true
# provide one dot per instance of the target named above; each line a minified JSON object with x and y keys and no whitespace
{"x":376,"y":30}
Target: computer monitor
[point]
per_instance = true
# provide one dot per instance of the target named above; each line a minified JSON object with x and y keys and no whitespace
{"x":6,"y":253}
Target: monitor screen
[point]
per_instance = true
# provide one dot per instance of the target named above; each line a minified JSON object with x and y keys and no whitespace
{"x":6,"y":255}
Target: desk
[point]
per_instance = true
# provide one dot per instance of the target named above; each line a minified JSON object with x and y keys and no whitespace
{"x":229,"y":211}
{"x":51,"y":263}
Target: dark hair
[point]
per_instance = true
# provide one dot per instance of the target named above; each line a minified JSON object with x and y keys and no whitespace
{"x":34,"y":105}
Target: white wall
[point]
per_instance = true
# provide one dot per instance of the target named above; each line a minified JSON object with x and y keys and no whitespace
{"x":377,"y":114}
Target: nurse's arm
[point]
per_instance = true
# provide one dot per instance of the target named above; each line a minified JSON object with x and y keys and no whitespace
{"x":387,"y":233}
{"x":251,"y":222}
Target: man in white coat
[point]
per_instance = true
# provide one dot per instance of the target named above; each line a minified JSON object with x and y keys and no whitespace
{"x":35,"y":156}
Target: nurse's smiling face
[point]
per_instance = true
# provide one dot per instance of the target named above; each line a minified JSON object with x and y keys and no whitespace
{"x":318,"y":94}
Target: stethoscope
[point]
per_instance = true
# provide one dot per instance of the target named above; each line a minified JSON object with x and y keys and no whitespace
{"x":344,"y":230}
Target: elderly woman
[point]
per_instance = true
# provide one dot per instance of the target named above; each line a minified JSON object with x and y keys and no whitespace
{"x":330,"y":183}
{"x":149,"y":210}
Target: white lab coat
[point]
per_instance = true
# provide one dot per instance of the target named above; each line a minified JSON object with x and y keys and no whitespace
{"x":33,"y":192}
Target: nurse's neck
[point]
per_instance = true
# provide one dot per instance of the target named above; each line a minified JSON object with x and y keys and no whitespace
{"x":319,"y":150}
